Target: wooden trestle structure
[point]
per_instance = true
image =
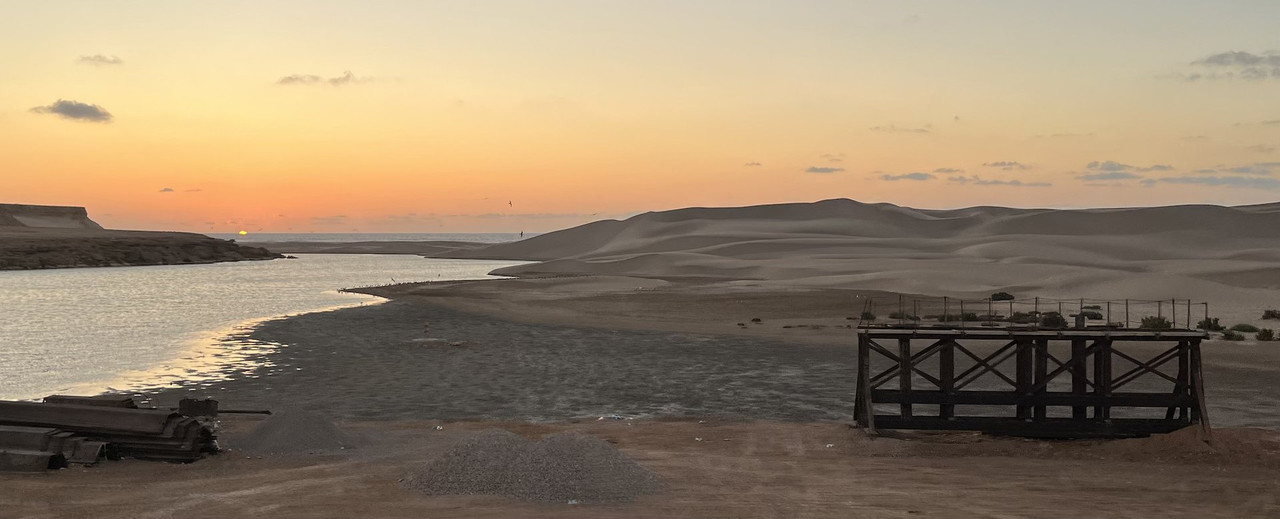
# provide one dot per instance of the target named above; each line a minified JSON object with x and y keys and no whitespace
{"x":1053,"y":371}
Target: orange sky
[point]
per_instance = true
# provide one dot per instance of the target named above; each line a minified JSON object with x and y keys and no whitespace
{"x":511,"y":115}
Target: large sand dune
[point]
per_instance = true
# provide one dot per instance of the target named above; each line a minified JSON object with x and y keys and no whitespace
{"x":1229,"y":256}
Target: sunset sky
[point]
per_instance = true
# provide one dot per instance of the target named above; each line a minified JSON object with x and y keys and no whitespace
{"x":418,"y":116}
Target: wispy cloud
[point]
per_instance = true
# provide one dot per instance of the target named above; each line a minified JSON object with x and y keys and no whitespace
{"x":946,"y":171}
{"x":894,"y":129}
{"x":1108,"y":175}
{"x":1113,"y":166}
{"x":1007,"y":165}
{"x":908,"y":176}
{"x":1234,"y":65}
{"x":1223,"y":181}
{"x":752,"y":164}
{"x":347,"y":78}
{"x":166,"y":190}
{"x":822,"y":169}
{"x":832,"y":157}
{"x":337,"y":219}
{"x":1261,"y":148}
{"x":979,"y":181}
{"x":75,"y":110}
{"x":100,"y":60}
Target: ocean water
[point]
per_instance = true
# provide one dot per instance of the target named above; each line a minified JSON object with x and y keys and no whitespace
{"x":90,"y":330}
{"x":490,"y":237}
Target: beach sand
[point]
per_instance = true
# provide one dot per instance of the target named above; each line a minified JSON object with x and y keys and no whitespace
{"x":653,"y":343}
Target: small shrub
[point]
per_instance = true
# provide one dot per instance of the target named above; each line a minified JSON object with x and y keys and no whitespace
{"x":1053,"y":320}
{"x":903,"y":315}
{"x":1266,"y":334}
{"x":1091,"y":307}
{"x":1023,"y":318}
{"x":1153,"y":322}
{"x":1091,"y":314}
{"x":1002,"y":296}
{"x":1271,"y":314}
{"x":967,"y":316}
{"x":1242,"y":327}
{"x":1211,"y":325}
{"x":868,"y":316}
{"x":1228,"y":335}
{"x":990,"y":317}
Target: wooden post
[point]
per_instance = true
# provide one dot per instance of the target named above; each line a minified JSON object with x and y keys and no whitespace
{"x":1102,"y":378}
{"x":1079,"y":377}
{"x":1180,"y":388}
{"x":1126,"y":313}
{"x":947,"y":375}
{"x":863,"y":412}
{"x":1042,"y":371}
{"x":904,"y":373}
{"x":1201,"y":412}
{"x":1024,"y":377}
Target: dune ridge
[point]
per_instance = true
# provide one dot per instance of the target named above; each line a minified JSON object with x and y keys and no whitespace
{"x":1202,"y":252}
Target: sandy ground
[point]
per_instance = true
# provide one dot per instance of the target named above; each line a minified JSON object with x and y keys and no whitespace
{"x":740,"y":469}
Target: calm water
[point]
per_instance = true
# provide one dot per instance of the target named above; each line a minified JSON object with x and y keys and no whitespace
{"x":486,"y":237}
{"x":87,"y":330}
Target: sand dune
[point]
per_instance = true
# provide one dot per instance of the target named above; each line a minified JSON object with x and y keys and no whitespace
{"x":1225,"y":255}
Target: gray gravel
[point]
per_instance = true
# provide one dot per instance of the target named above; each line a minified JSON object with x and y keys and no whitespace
{"x":293,"y":432}
{"x":561,"y":468}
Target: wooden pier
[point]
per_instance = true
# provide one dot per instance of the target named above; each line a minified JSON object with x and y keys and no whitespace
{"x":1071,"y":383}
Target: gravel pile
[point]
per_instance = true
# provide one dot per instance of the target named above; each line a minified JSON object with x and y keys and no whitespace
{"x":294,"y":432}
{"x":561,"y":468}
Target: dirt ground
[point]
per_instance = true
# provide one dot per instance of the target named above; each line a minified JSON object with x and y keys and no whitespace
{"x":739,"y":469}
{"x":769,"y":401}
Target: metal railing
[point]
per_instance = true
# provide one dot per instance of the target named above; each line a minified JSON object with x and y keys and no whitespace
{"x":1035,"y":313}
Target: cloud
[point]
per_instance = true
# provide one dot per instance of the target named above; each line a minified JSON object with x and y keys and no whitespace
{"x":894,"y":129}
{"x":1007,"y":165}
{"x":1233,"y":65}
{"x":166,"y":190}
{"x":1257,"y":168}
{"x":1261,"y":148}
{"x":1113,"y":166}
{"x":945,"y":171}
{"x":100,"y":60}
{"x":1108,"y":175}
{"x":832,"y":157}
{"x":1272,"y":122}
{"x":909,"y":176}
{"x":337,"y":219}
{"x":821,"y":169}
{"x":1226,"y":181}
{"x":752,"y":164}
{"x":979,"y":181}
{"x":75,"y":110}
{"x":347,"y":78}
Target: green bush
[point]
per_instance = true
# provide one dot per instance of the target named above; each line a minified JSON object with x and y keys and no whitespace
{"x":1091,"y":314}
{"x":1153,"y":322}
{"x":1053,"y":320}
{"x":1271,"y":314}
{"x":868,"y":316}
{"x":1242,"y":327}
{"x":1091,"y":307}
{"x":1228,"y":335}
{"x":1210,"y":325}
{"x":1002,"y":296}
{"x":1266,"y":334}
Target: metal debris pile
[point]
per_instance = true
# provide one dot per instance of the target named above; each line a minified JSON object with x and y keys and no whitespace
{"x":36,"y":436}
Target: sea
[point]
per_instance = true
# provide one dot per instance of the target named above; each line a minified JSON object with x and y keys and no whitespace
{"x":124,"y":329}
{"x":492,"y":237}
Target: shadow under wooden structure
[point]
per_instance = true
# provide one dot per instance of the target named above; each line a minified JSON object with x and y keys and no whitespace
{"x":1060,"y":383}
